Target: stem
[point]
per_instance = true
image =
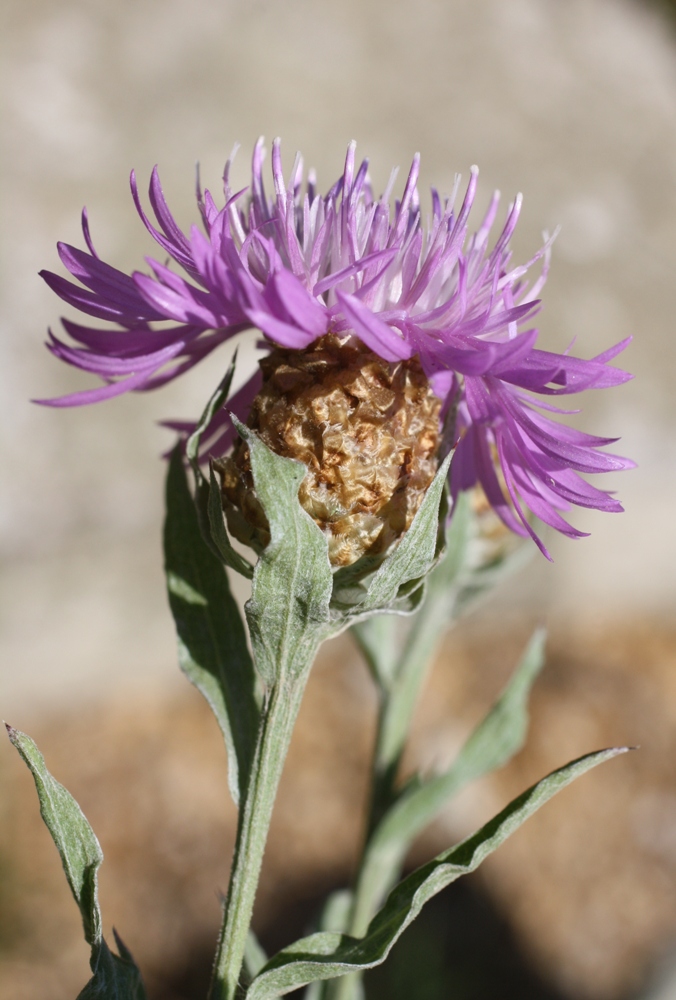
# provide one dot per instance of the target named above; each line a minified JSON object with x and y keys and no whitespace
{"x":255,"y":813}
{"x":397,"y":706}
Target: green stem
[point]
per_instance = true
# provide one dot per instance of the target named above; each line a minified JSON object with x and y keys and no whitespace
{"x":273,"y":742}
{"x":397,"y":706}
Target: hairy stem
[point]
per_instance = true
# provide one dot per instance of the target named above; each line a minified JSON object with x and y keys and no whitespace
{"x":273,"y":742}
{"x":398,"y":703}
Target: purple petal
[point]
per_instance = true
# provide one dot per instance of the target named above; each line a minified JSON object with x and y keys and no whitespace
{"x":94,"y":305}
{"x":301,"y":308}
{"x":372,"y":331}
{"x":97,"y":395}
{"x":279,"y":331}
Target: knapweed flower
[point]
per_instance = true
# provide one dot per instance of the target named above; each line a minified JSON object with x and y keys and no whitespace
{"x":381,"y":330}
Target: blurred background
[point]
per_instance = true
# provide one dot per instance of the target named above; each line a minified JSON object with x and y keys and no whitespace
{"x":572,"y":102}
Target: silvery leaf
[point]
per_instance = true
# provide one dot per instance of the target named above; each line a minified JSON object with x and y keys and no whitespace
{"x":494,"y":741}
{"x":288,"y":612}
{"x":326,"y":955}
{"x":115,"y":977}
{"x":212,"y":645}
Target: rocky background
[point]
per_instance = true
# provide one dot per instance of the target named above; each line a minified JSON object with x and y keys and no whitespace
{"x":574,"y":104}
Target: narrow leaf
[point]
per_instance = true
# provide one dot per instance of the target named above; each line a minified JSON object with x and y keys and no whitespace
{"x":503,"y":731}
{"x":380,"y":644}
{"x":218,"y":532}
{"x":254,"y":956}
{"x":326,"y":955}
{"x":458,"y":539}
{"x":475,"y":566}
{"x":495,"y":740}
{"x":207,"y":494}
{"x":289,"y":606}
{"x":115,"y":976}
{"x":75,"y":840}
{"x":215,"y":403}
{"x":212,"y":646}
{"x":335,"y":913}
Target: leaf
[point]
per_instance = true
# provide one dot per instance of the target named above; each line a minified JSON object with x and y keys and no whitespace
{"x":413,"y":556}
{"x":495,"y":740}
{"x":335,"y":916}
{"x":218,"y":533}
{"x":115,"y":976}
{"x":326,"y":955}
{"x":503,"y":731}
{"x":288,"y":612}
{"x":207,"y":494}
{"x":212,"y":648}
{"x":380,"y":644}
{"x":254,"y":956}
{"x":475,"y":568}
{"x":215,"y":403}
{"x":458,"y":536}
{"x":80,"y":851}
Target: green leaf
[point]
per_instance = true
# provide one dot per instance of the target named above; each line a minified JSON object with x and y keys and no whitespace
{"x":212,"y":646}
{"x":458,"y":539}
{"x":207,"y":494}
{"x":503,"y":731}
{"x":254,"y":956}
{"x":326,"y":955}
{"x":335,"y":916}
{"x":115,"y":976}
{"x":495,"y":740}
{"x":380,"y":644}
{"x":414,"y":555}
{"x":475,"y":567}
{"x":288,"y":611}
{"x":215,"y":403}
{"x":80,"y":851}
{"x":218,"y":533}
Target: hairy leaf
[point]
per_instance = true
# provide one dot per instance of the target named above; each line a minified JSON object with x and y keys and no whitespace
{"x":115,"y":976}
{"x":218,"y":533}
{"x":212,"y":646}
{"x":75,"y":840}
{"x":495,"y":740}
{"x":326,"y":955}
{"x":254,"y":956}
{"x":215,"y":403}
{"x":289,"y":607}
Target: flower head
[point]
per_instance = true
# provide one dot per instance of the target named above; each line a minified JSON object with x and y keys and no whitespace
{"x":299,"y":266}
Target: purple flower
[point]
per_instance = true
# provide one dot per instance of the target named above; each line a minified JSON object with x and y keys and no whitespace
{"x":297,"y":265}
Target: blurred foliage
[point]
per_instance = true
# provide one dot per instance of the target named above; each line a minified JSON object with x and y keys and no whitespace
{"x":459,"y":948}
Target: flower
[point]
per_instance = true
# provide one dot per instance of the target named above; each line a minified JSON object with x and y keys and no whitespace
{"x":299,"y":266}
